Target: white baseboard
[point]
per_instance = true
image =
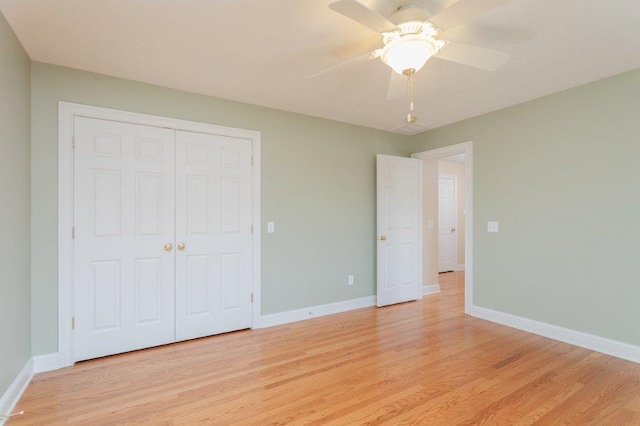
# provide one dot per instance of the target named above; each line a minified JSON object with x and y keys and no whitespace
{"x":430,"y":289}
{"x":16,"y":389}
{"x":573,"y":337}
{"x":315,"y":311}
{"x":44,"y":363}
{"x":460,"y":267}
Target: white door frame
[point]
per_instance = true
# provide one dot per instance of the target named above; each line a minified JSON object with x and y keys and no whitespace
{"x":66,"y":115}
{"x":455,"y":215}
{"x":467,"y":149}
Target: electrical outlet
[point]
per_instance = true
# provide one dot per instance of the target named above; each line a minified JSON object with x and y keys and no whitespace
{"x":350,"y":280}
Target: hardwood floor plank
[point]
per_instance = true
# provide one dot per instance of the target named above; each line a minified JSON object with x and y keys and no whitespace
{"x":416,"y":363}
{"x":609,"y":384}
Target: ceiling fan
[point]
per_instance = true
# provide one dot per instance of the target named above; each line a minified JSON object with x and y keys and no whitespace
{"x":412,"y":35}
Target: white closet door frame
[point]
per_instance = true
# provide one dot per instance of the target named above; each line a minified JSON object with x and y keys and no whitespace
{"x":66,"y":115}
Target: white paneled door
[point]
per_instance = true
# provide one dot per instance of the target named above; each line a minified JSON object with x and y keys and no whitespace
{"x":446,"y":223}
{"x":123,"y":217}
{"x":399,"y":212}
{"x":162,"y":236}
{"x":213,"y":234}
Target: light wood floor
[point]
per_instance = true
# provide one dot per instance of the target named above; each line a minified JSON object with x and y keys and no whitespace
{"x":423,"y":363}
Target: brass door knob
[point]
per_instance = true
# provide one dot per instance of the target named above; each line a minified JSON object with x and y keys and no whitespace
{"x":383,"y":237}
{"x":180,"y":246}
{"x":168,"y":247}
{"x":453,"y":229}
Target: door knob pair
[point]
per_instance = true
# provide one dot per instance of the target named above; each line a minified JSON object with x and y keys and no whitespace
{"x":169,"y":247}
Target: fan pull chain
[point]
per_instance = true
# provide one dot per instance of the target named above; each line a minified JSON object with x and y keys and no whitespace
{"x":410,"y":118}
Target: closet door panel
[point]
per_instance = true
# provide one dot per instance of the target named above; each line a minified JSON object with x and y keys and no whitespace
{"x":123,"y":283}
{"x":213,"y":233}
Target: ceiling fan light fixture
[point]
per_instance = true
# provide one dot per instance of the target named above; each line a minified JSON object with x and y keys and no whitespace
{"x":409,"y":52}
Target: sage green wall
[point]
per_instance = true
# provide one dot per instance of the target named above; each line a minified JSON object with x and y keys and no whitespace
{"x":561,"y":174}
{"x":318,"y":186}
{"x":15,"y":312}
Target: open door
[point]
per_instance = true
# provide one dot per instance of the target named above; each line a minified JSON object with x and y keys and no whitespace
{"x":399,"y":229}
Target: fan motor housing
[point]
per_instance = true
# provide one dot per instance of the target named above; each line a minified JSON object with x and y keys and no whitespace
{"x":408,"y":13}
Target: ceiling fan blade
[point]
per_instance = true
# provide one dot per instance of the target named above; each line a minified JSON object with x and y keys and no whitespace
{"x":463,"y":11}
{"x":362,"y":14}
{"x":473,"y":56}
{"x":357,"y":59}
{"x":397,"y":86}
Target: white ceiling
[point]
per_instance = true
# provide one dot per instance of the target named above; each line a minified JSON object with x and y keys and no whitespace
{"x":263,"y":52}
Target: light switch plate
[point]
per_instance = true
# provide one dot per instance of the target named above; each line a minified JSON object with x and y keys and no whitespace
{"x":271,"y":228}
{"x":430,"y":223}
{"x":492,"y":226}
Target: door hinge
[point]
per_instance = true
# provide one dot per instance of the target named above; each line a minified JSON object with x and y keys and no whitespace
{"x":252,"y":160}
{"x":251,"y":297}
{"x":73,"y":323}
{"x":73,"y":142}
{"x":251,"y":229}
{"x":73,"y":232}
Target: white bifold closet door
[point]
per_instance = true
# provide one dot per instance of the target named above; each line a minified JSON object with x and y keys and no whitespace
{"x":162,"y":245}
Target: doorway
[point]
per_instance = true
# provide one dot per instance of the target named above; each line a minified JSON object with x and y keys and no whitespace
{"x":463,"y":155}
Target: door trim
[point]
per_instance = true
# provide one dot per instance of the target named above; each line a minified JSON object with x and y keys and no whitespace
{"x":467,"y":149}
{"x":66,"y":115}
